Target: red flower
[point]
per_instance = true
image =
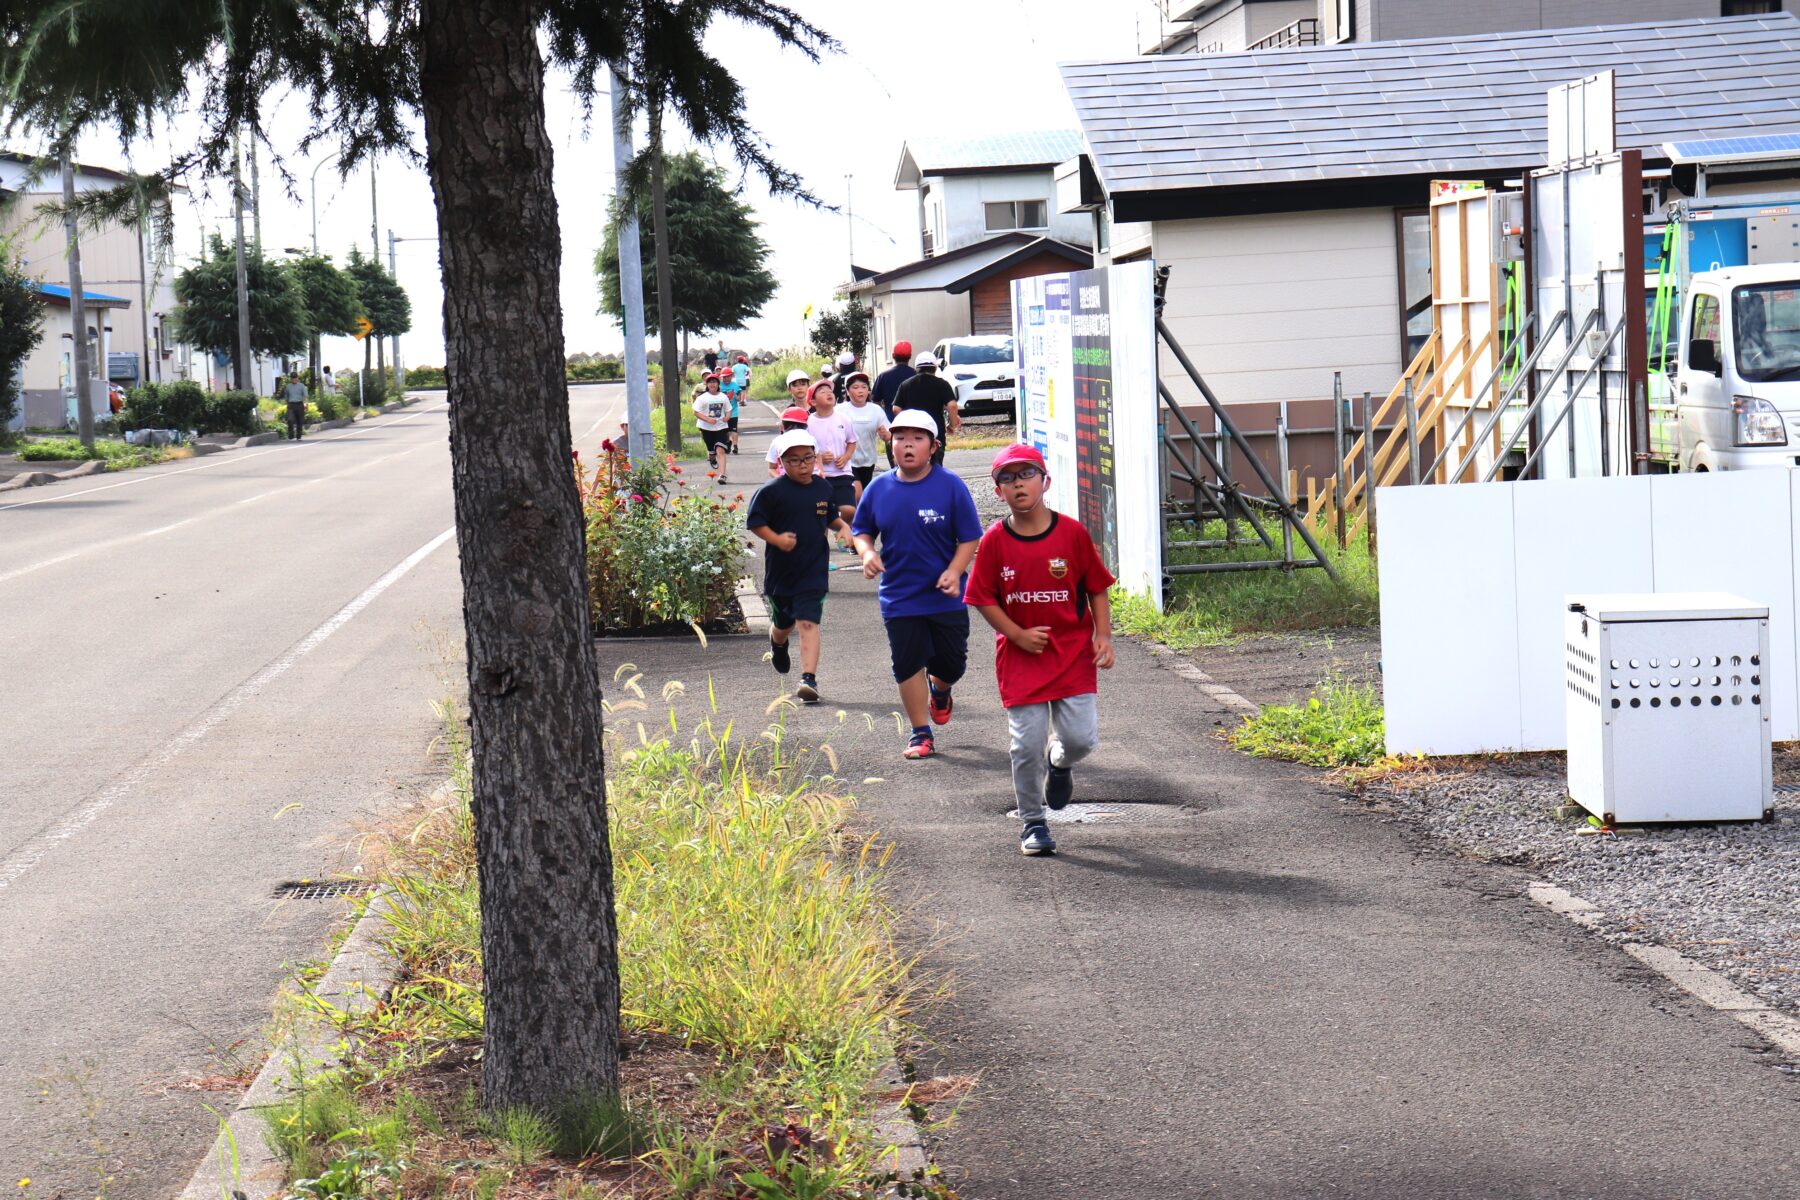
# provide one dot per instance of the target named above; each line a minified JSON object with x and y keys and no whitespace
{"x":607,"y":445}
{"x":675,"y":470}
{"x":635,"y":496}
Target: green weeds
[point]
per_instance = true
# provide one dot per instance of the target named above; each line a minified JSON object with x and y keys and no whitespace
{"x":1339,"y":725}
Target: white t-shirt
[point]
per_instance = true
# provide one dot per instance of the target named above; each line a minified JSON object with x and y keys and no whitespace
{"x":867,"y":422}
{"x":712,"y":411}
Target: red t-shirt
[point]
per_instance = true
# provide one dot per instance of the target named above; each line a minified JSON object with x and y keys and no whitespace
{"x":1042,"y":580}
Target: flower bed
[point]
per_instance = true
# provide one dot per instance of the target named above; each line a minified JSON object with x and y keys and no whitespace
{"x":657,"y":557}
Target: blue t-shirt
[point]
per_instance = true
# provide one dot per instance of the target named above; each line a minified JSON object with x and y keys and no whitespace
{"x":920,"y":525}
{"x":740,"y":376}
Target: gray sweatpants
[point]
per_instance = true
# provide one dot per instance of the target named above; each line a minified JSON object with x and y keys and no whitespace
{"x":1062,"y":732}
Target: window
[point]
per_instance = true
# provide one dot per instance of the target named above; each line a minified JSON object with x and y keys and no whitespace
{"x":1415,"y":281}
{"x":1706,"y":324}
{"x":1749,"y":8}
{"x":1340,"y":21}
{"x":969,"y":351}
{"x":1014,"y":214}
{"x":1765,"y":322}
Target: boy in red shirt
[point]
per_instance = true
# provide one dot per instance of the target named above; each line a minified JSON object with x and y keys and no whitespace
{"x":1039,"y":582}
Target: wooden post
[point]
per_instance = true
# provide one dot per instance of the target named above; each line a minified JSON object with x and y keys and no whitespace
{"x":1368,"y":473}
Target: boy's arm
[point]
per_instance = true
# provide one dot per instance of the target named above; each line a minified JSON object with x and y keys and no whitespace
{"x":950,"y":582}
{"x":781,"y":541}
{"x":1100,"y":603}
{"x":1031,"y":641}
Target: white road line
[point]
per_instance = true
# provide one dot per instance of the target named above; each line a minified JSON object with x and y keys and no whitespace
{"x":37,"y":848}
{"x":114,"y":543}
{"x":229,"y":459}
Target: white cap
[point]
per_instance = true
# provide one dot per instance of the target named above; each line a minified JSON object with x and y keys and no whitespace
{"x":914,"y":418}
{"x":797,"y":375}
{"x":847,"y":359}
{"x":926,"y":359}
{"x":793,"y":438}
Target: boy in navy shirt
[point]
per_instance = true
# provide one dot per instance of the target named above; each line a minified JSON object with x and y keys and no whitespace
{"x":929,"y":529}
{"x":1039,"y":581}
{"x":791,"y":514}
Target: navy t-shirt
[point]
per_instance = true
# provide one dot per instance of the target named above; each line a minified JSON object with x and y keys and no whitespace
{"x":887,"y":385}
{"x":921,"y":524}
{"x":804,"y":511}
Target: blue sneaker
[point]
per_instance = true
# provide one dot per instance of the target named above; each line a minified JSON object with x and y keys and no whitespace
{"x":1059,"y":788}
{"x":1036,"y":839}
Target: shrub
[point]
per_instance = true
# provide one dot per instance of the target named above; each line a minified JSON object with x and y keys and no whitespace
{"x":381,"y":387}
{"x":331,"y":406}
{"x":1339,"y":725}
{"x":230,"y":412}
{"x":426,"y":377}
{"x":593,"y":371}
{"x":655,"y":557}
{"x":177,"y":405}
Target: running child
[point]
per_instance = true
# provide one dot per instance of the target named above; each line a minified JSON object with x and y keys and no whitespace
{"x":929,"y":529}
{"x":837,"y":446}
{"x":791,"y":514}
{"x":1040,"y":583}
{"x":870,"y":425}
{"x":791,"y":419}
{"x":740,"y":392}
{"x":712,"y":415}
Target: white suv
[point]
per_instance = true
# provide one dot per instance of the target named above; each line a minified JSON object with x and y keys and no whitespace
{"x":981,"y":370}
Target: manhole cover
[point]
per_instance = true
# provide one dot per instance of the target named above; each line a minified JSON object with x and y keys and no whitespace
{"x":320,"y":889}
{"x":1102,"y":812}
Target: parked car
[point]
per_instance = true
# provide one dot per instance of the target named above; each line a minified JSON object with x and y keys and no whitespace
{"x":1737,"y":385}
{"x":981,"y":370}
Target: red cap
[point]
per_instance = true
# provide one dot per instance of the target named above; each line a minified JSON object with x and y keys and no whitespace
{"x":824,"y":385}
{"x":796,"y":413}
{"x":902,"y":349}
{"x":742,"y":359}
{"x":1018,"y":452}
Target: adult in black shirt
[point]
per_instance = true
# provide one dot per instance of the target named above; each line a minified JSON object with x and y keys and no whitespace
{"x":712,"y":361}
{"x":929,"y":394}
{"x":887,"y":384}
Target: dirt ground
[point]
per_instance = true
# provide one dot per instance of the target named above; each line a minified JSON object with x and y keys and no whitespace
{"x":1282,"y":668}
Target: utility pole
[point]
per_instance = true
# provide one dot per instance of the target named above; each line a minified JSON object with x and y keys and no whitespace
{"x":375,"y":257}
{"x":78,"y":358}
{"x":631,"y":283}
{"x":394,"y":270}
{"x":850,"y":220}
{"x":672,"y":369}
{"x":243,"y":267}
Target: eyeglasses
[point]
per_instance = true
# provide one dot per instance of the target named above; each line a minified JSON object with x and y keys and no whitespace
{"x":1008,"y":478}
{"x":799,"y":460}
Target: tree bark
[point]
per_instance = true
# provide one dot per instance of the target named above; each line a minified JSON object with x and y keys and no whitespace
{"x":548,"y":936}
{"x":672,"y":369}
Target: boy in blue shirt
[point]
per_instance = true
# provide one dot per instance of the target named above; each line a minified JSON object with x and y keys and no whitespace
{"x":791,"y":513}
{"x":929,"y":529}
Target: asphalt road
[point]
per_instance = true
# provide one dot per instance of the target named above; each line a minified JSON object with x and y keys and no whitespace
{"x":216,"y":673}
{"x":1239,"y":986}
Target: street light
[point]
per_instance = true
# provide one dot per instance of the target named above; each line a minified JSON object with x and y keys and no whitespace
{"x":315,"y":197}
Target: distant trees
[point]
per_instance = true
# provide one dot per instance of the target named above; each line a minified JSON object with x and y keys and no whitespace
{"x":206,"y":312}
{"x":840,"y":329}
{"x":331,"y":299}
{"x":21,"y":329}
{"x":384,"y":301}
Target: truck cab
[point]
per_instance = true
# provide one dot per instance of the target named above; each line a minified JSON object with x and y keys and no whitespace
{"x":1737,"y":382}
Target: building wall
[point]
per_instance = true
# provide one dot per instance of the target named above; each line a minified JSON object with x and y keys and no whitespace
{"x":1391,"y":20}
{"x":990,"y":301}
{"x":917,"y":317}
{"x":963,"y":196}
{"x":1261,"y":20}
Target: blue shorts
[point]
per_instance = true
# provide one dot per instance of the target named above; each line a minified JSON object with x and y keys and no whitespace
{"x":785,"y":610}
{"x":938,"y":643}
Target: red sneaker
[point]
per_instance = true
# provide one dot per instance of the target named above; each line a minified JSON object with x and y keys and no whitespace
{"x":940,"y":709}
{"x":920,"y":746}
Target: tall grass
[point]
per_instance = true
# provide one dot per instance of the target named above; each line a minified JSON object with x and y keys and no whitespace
{"x":770,"y":382}
{"x":1222,"y":607}
{"x":750,"y":925}
{"x":1340,"y":725}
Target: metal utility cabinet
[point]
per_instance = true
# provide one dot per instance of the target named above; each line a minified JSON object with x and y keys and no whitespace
{"x":1668,"y":707}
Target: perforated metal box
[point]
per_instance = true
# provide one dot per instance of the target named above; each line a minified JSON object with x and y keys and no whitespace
{"x":1668,"y":706}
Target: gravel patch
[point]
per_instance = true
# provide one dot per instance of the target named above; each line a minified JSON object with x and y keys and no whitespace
{"x":1727,"y":895}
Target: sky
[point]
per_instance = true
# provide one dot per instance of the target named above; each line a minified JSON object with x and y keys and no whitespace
{"x":925,"y":68}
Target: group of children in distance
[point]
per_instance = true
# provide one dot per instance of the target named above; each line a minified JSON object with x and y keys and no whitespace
{"x":1036,"y":579}
{"x":716,"y":410}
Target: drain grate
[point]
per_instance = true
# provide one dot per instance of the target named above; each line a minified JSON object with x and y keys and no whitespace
{"x":1102,"y":812}
{"x":320,"y":889}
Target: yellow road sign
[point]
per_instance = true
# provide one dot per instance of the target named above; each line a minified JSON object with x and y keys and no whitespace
{"x":364,"y":327}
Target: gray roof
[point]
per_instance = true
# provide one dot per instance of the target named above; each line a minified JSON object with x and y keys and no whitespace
{"x":1470,"y":104}
{"x":1033,"y":148}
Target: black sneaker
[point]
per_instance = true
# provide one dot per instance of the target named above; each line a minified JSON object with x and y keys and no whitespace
{"x":808,"y":691}
{"x":778,"y":654}
{"x":1036,"y":839}
{"x":1059,"y":788}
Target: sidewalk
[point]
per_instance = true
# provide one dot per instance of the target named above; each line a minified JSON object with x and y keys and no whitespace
{"x":1237,"y":987}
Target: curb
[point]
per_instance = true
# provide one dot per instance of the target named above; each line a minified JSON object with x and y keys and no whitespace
{"x":39,"y":478}
{"x":1701,"y":982}
{"x":1184,"y":667}
{"x":241,"y":1165}
{"x":895,"y":1129}
{"x":750,"y":602}
{"x":339,"y":423}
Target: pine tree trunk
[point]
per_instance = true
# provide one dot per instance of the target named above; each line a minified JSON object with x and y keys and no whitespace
{"x":672,"y":370}
{"x":548,"y":939}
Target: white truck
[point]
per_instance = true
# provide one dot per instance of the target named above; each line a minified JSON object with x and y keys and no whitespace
{"x":1732,"y":396}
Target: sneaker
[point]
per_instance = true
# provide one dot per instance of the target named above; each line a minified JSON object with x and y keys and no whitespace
{"x":1059,"y":788}
{"x":920,"y":746}
{"x":1036,"y":839}
{"x":808,"y":691}
{"x":941,"y":703}
{"x":778,"y":654}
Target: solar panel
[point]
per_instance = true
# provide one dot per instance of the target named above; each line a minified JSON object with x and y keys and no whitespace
{"x":1734,"y":149}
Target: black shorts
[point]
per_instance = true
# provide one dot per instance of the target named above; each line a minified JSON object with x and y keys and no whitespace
{"x":714,"y":438}
{"x":938,"y":643}
{"x":733,"y":427}
{"x":785,"y":610}
{"x":843,"y":490}
{"x":863,"y":475}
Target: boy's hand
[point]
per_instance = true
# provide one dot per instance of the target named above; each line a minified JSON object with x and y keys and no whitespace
{"x":1033,"y":640}
{"x":786,"y":541}
{"x":950,"y":583}
{"x":872,"y":565}
{"x":1103,"y":651}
